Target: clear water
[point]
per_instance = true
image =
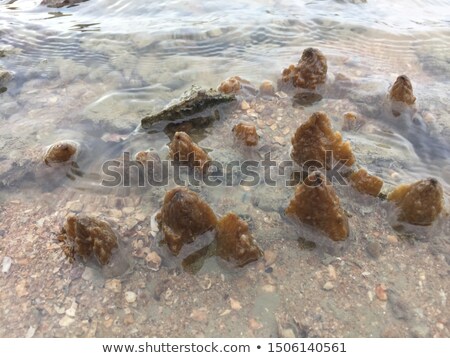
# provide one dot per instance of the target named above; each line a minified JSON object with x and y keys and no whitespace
{"x":90,"y":72}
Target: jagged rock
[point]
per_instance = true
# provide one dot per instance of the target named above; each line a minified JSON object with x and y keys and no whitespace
{"x":246,"y":133}
{"x":419,"y":203}
{"x":316,"y":204}
{"x":184,"y":216}
{"x":193,"y":103}
{"x":314,"y":138}
{"x":235,"y":242}
{"x":366,"y":183}
{"x":310,"y":71}
{"x":84,"y":235}
{"x":183,"y":149}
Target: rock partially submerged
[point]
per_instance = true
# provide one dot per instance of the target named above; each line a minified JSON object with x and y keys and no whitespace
{"x":316,"y":204}
{"x":310,"y":72}
{"x":401,"y":96}
{"x":85,"y":236}
{"x":61,"y":3}
{"x":366,"y":183}
{"x":5,"y":77}
{"x":235,"y":242}
{"x":194,"y":103}
{"x":61,"y":152}
{"x":315,"y":140}
{"x":183,"y":217}
{"x":418,"y":203}
{"x":184,"y":151}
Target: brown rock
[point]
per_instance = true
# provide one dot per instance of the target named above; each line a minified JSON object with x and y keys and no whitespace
{"x":235,"y":242}
{"x":61,"y":152}
{"x":231,"y":85}
{"x":246,"y":133}
{"x":310,"y":72}
{"x":402,"y":91}
{"x":366,"y":183}
{"x":381,"y":292}
{"x":267,"y":88}
{"x":183,"y":149}
{"x":184,"y":216}
{"x":316,"y":204}
{"x":314,"y":138}
{"x":352,"y":122}
{"x":83,"y":235}
{"x":419,"y":203}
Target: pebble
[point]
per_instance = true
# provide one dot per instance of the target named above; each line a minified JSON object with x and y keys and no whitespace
{"x":6,"y":264}
{"x":270,"y":257}
{"x":332,"y":273}
{"x":254,"y":324}
{"x":287,"y":333}
{"x":115,"y":213}
{"x":199,"y":315}
{"x":75,"y":206}
{"x":245,"y":105}
{"x":328,"y":286}
{"x":71,"y":312}
{"x":235,"y":305}
{"x":66,"y":321}
{"x":374,"y":249}
{"x":21,"y":289}
{"x":153,"y":261}
{"x":380,"y":291}
{"x":392,"y":239}
{"x":114,"y":285}
{"x":130,"y":297}
{"x":268,"y":288}
{"x":30,"y":332}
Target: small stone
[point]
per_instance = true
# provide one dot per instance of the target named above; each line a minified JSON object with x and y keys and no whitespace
{"x":328,"y":286}
{"x":88,"y":274}
{"x":392,"y":239}
{"x":130,"y":297}
{"x":59,"y":310}
{"x":270,"y":257}
{"x":245,"y":105}
{"x":381,"y":292}
{"x":254,"y":324}
{"x":267,"y":88}
{"x":332,"y":273}
{"x":74,"y":206}
{"x":373,"y":249}
{"x":128,"y":319}
{"x":225,"y":313}
{"x":235,"y":305}
{"x":199,"y":315}
{"x":21,"y":289}
{"x":131,"y":222}
{"x":153,"y":261}
{"x":71,"y":312}
{"x":115,"y":213}
{"x":30,"y":332}
{"x":66,"y":321}
{"x":141,"y":217}
{"x":440,"y":326}
{"x":287,"y":333}
{"x":114,"y":285}
{"x":268,"y":288}
{"x":6,"y":264}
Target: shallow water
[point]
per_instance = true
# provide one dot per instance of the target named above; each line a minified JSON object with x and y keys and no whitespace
{"x":90,"y":72}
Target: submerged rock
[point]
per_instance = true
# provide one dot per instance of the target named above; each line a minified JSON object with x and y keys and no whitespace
{"x":5,"y":77}
{"x":230,"y":85}
{"x":366,"y":183}
{"x":267,"y":88}
{"x":183,"y":149}
{"x":246,"y":133}
{"x":316,"y":204}
{"x":192,"y":103}
{"x":310,"y":71}
{"x":419,"y":203}
{"x":314,"y":138}
{"x":183,"y":216}
{"x":235,"y":242}
{"x":61,"y":152}
{"x":84,"y":235}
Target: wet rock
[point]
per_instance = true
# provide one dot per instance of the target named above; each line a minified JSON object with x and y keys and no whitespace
{"x":373,"y":249}
{"x":183,"y":149}
{"x":130,"y":297}
{"x":61,"y":3}
{"x":66,"y":321}
{"x":114,"y":285}
{"x":328,"y":286}
{"x":83,"y":236}
{"x":5,"y":77}
{"x":352,"y":122}
{"x":184,"y":216}
{"x":366,"y":183}
{"x":190,"y":104}
{"x":314,"y":138}
{"x":418,"y":203}
{"x":306,"y":99}
{"x":310,"y":71}
{"x":235,"y":243}
{"x":230,"y":85}
{"x":61,"y":152}
{"x":316,"y":204}
{"x":402,"y":91}
{"x":381,"y":292}
{"x":267,"y":88}
{"x":153,"y":261}
{"x":246,"y":133}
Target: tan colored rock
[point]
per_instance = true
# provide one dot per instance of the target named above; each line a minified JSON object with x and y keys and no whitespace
{"x":183,"y":149}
